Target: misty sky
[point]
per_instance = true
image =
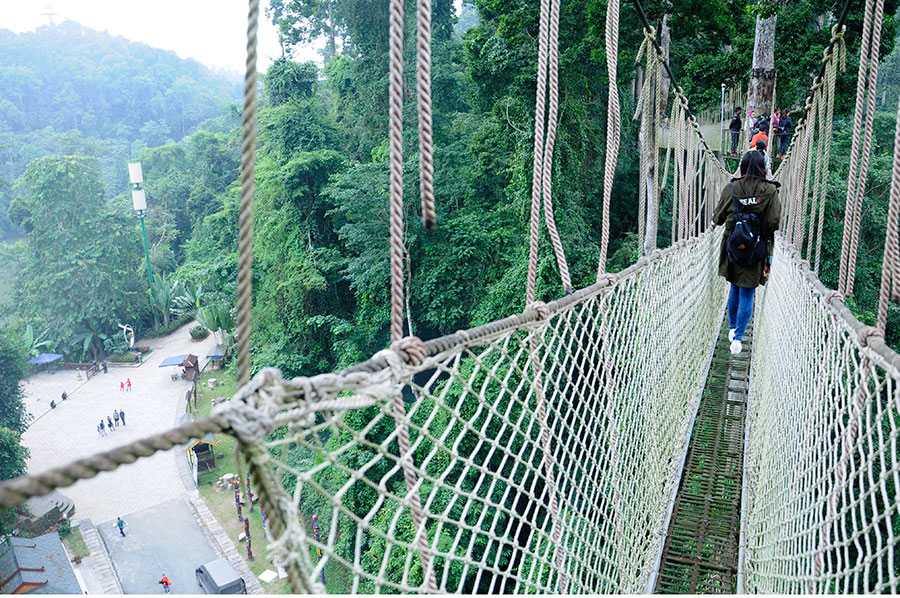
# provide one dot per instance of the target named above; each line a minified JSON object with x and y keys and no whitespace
{"x":212,"y":32}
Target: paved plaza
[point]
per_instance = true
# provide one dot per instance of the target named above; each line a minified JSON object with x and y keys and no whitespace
{"x":69,"y":432}
{"x":161,"y":539}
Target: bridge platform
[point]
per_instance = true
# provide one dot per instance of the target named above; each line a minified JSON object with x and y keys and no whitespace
{"x":700,"y":555}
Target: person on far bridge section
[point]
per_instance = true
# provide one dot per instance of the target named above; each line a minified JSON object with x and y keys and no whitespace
{"x":761,"y":146}
{"x":760,"y":135}
{"x":786,"y":126}
{"x":735,"y":128}
{"x":750,"y":210}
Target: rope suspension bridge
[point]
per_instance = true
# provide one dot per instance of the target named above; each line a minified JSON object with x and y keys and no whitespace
{"x":606,"y":441}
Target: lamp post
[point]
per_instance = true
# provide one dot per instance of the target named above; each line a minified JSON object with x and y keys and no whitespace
{"x":140,"y":208}
{"x":722,"y":125}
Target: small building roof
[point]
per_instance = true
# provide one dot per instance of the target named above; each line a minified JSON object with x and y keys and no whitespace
{"x":208,"y":438}
{"x":37,"y":565}
{"x":45,"y":358}
{"x":174,"y":360}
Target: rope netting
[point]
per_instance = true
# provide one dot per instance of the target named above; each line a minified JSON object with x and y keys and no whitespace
{"x":617,"y":418}
{"x":822,"y":466}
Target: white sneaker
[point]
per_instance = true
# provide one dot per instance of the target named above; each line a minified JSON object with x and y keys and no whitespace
{"x":736,"y":347}
{"x":730,"y":334}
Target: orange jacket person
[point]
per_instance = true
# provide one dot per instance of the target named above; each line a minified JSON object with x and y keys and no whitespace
{"x":164,"y":582}
{"x":761,"y":135}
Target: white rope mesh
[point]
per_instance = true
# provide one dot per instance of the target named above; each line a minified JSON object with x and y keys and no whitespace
{"x":822,"y":468}
{"x":622,"y":369}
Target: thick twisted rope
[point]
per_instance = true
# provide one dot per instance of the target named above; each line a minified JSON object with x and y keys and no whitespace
{"x":539,"y":111}
{"x":891,"y":260}
{"x":613,"y":125}
{"x":245,"y":216}
{"x":858,"y":125}
{"x":547,"y":178}
{"x":395,"y":109}
{"x":16,"y":491}
{"x":426,"y":138}
{"x":835,"y":57}
{"x":875,"y":46}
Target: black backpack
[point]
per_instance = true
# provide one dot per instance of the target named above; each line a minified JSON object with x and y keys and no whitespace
{"x":745,"y":245}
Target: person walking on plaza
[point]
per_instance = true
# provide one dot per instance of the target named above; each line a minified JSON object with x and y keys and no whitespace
{"x":99,"y":431}
{"x":750,"y":210}
{"x":164,"y":582}
{"x":102,"y":428}
{"x":121,"y":525}
{"x":122,"y":416}
{"x":116,"y":417}
{"x":109,"y":423}
{"x":735,"y":128}
{"x":121,"y":386}
{"x":128,"y":385}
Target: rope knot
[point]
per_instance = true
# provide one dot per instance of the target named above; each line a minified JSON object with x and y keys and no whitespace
{"x":832,"y":294}
{"x":542,"y":309}
{"x":250,"y":425}
{"x":611,"y":279}
{"x":467,"y":338}
{"x":865,"y":334}
{"x":413,"y":348}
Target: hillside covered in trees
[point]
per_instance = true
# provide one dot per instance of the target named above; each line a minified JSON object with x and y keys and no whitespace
{"x":67,"y":89}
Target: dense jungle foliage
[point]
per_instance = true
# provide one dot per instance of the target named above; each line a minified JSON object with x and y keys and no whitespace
{"x":321,"y":246}
{"x":67,"y":89}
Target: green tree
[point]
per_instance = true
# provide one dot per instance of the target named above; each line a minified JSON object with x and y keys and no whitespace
{"x":80,"y":274}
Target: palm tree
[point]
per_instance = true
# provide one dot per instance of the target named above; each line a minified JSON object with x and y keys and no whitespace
{"x":162,"y":299}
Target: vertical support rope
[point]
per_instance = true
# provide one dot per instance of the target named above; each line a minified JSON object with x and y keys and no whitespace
{"x":875,"y":46}
{"x":395,"y":108}
{"x":849,"y":208}
{"x":889,"y":262}
{"x":396,"y":248}
{"x":539,"y":111}
{"x":547,"y":178}
{"x":836,"y":57}
{"x":245,"y":216}
{"x":426,"y":137}
{"x":613,"y":124}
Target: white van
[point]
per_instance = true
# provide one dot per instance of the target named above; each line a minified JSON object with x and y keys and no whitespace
{"x":219,"y":577}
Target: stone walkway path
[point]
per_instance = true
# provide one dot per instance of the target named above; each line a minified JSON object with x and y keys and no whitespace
{"x":96,"y":569}
{"x":70,"y":431}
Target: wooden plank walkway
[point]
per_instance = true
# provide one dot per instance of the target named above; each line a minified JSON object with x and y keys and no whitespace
{"x":700,"y":555}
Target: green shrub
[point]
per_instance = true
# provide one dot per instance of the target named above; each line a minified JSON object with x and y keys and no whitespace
{"x":127,"y":357}
{"x":199,"y":332}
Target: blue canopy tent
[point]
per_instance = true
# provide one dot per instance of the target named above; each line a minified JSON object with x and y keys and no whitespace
{"x":45,"y":358}
{"x":174,"y":360}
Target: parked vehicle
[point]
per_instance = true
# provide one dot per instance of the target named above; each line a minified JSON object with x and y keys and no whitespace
{"x":219,"y":577}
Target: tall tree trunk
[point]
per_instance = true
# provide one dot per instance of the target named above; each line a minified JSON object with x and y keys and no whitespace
{"x":331,"y":47}
{"x":665,"y":38}
{"x":762,"y":76}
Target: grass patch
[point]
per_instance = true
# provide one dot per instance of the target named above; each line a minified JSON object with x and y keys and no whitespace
{"x":74,"y":542}
{"x":221,"y":503}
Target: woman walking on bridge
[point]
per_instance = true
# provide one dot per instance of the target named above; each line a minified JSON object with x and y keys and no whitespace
{"x":750,"y":210}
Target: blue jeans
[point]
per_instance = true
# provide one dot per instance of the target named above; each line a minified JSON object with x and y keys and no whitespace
{"x":740,"y":308}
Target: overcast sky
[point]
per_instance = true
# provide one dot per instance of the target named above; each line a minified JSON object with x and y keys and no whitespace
{"x":212,"y":32}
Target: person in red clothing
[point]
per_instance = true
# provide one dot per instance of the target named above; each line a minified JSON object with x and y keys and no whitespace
{"x":128,"y":384}
{"x":761,"y":135}
{"x":121,"y":386}
{"x":164,"y":582}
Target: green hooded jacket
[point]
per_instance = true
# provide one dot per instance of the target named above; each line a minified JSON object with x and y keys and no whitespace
{"x":757,"y":196}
